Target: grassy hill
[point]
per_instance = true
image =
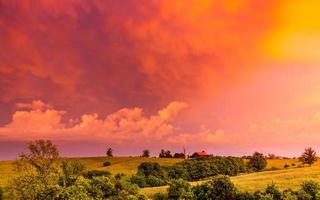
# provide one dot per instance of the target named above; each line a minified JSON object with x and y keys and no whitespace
{"x":127,"y":165}
{"x":284,"y":178}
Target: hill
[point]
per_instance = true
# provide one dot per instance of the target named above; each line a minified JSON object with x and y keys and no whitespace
{"x":283,"y":178}
{"x":127,"y":165}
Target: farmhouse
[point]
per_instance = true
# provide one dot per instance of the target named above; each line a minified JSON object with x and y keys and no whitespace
{"x":199,"y":154}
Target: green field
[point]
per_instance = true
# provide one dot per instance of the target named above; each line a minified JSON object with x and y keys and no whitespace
{"x":127,"y":165}
{"x":284,"y":178}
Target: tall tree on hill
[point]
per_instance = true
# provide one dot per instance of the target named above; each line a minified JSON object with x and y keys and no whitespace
{"x":309,"y":156}
{"x":109,"y":152}
{"x":146,"y":153}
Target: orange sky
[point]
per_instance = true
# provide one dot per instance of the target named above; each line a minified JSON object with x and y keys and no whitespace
{"x":230,"y":77}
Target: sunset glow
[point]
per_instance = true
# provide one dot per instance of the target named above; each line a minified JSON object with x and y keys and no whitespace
{"x":228,"y":77}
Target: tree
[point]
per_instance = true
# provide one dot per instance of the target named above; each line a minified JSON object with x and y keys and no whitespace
{"x":218,"y":188}
{"x":165,"y":154}
{"x":257,"y":161}
{"x":309,"y":156}
{"x":109,"y":152}
{"x":179,"y":155}
{"x":180,"y":189}
{"x":43,"y":156}
{"x":146,"y":153}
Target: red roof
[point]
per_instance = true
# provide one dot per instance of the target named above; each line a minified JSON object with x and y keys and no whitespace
{"x":202,"y":153}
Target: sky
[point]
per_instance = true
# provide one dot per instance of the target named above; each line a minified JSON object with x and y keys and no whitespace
{"x":229,"y":77}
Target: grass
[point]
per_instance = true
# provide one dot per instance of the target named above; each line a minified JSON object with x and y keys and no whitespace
{"x":283,"y":178}
{"x":127,"y":165}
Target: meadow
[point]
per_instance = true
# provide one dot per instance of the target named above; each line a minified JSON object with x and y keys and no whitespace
{"x":283,"y":178}
{"x":126,"y":165}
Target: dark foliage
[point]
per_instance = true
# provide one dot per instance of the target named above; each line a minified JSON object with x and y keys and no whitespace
{"x":257,"y":162}
{"x":106,"y":163}
{"x":198,"y":168}
{"x":95,"y":173}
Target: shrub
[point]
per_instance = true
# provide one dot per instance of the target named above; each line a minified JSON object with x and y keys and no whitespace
{"x":139,"y":180}
{"x":274,"y":192}
{"x":106,"y":164}
{"x":151,"y":169}
{"x":160,"y":196}
{"x":286,"y":166}
{"x":180,"y":189}
{"x":312,"y":188}
{"x":178,"y":171}
{"x":153,"y":181}
{"x":289,"y":195}
{"x":95,"y":173}
{"x":198,"y":168}
{"x":218,"y":188}
{"x":257,"y":161}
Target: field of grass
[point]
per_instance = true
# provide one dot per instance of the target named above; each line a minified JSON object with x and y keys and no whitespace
{"x":127,"y":165}
{"x":284,"y":178}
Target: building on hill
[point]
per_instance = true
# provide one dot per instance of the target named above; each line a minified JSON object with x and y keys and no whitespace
{"x":199,"y":154}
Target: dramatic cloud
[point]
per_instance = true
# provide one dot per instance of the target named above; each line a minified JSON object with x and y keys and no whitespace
{"x":100,"y":70}
{"x":125,"y":125}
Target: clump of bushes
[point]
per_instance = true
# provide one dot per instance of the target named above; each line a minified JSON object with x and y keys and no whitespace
{"x":42,"y":174}
{"x":221,"y":188}
{"x":106,"y":163}
{"x":95,"y":173}
{"x":257,"y":162}
{"x":198,"y":168}
{"x":150,"y":174}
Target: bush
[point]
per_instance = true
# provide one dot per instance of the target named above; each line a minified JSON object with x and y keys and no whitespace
{"x":178,"y":171}
{"x":274,"y":192}
{"x":312,"y":188}
{"x":153,"y":181}
{"x":218,"y":188}
{"x":160,"y":196}
{"x":257,"y":162}
{"x":139,"y":180}
{"x":106,"y":164}
{"x":180,"y":189}
{"x":151,"y":169}
{"x":95,"y":173}
{"x":198,"y":168}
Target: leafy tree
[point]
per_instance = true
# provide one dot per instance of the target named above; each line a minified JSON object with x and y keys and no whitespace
{"x":109,"y":152}
{"x":165,"y":154}
{"x":180,"y":189}
{"x":312,"y":188}
{"x":218,"y":188}
{"x":146,"y":153}
{"x":43,"y":156}
{"x":309,"y":156}
{"x":179,"y":155}
{"x":274,"y":192}
{"x":257,"y":161}
{"x":151,"y":169}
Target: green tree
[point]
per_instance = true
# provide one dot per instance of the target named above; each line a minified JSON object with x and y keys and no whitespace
{"x":309,"y":156}
{"x":43,"y":156}
{"x":218,"y":188}
{"x":180,"y":189}
{"x":146,"y":153}
{"x":257,"y":161}
{"x":109,"y":152}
